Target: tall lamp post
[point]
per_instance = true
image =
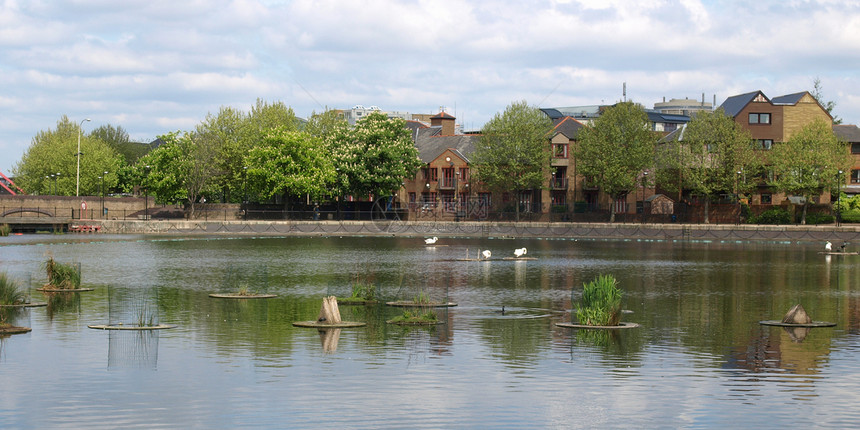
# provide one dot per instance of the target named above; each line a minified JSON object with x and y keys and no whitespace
{"x":103,"y":192}
{"x":146,"y":195}
{"x":78,"y":180}
{"x":838,"y":198}
{"x":737,"y":197}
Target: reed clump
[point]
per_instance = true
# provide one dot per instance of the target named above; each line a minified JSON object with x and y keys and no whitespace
{"x":5,"y":229}
{"x":9,"y":292}
{"x":62,"y":276}
{"x":601,"y":302}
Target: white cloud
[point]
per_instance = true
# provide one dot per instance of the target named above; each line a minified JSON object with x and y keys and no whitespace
{"x":154,"y":66}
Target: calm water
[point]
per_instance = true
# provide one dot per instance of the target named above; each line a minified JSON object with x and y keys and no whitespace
{"x":700,"y":358}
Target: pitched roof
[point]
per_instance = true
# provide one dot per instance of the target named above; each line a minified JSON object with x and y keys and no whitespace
{"x":567,"y":126}
{"x":735,"y":104}
{"x":430,"y":143}
{"x":442,"y":115}
{"x":788,"y":99}
{"x":848,"y":132}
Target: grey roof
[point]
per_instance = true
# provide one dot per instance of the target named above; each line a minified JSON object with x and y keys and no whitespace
{"x":734,"y":104}
{"x":665,"y":118}
{"x":567,"y":126}
{"x":789,"y":99}
{"x":431,"y":144}
{"x":573,"y":111}
{"x":676,"y":134}
{"x":849,"y":133}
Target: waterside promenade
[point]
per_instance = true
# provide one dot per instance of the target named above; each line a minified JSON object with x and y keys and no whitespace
{"x":561,"y":230}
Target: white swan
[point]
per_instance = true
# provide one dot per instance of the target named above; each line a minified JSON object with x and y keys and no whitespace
{"x":828,"y":246}
{"x":431,"y":240}
{"x":519,"y":252}
{"x":487,"y":254}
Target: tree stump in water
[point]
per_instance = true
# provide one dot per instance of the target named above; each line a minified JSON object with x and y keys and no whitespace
{"x":329,"y":313}
{"x":797,"y":315}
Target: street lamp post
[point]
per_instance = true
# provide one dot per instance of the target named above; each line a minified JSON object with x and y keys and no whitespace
{"x":103,"y":192}
{"x":245,"y":191}
{"x":146,"y":195}
{"x":78,"y":180}
{"x":737,"y":197}
{"x":839,"y":198}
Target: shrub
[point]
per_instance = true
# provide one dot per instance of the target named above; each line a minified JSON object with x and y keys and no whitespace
{"x":62,"y":276}
{"x":852,"y":215}
{"x":815,"y":219}
{"x":601,"y":302}
{"x":9,"y":292}
{"x":5,"y":229}
{"x":772,"y":216}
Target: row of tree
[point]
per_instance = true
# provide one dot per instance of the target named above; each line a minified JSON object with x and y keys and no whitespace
{"x":267,"y":153}
{"x":712,"y":156}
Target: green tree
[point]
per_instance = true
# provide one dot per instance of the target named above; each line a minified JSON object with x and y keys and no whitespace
{"x":53,"y":151}
{"x":818,"y":94}
{"x":324,"y":124}
{"x":291,"y":163}
{"x":513,"y":152}
{"x":181,"y":169}
{"x":223,"y":133}
{"x":706,"y":157}
{"x":374,"y":157}
{"x":615,"y":150}
{"x":809,"y":162}
{"x":117,"y":138}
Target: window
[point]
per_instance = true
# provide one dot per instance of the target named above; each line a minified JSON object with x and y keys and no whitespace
{"x":764,"y":144}
{"x":759,"y":118}
{"x":431,"y":174}
{"x":855,"y":148}
{"x":559,"y":199}
{"x":411,"y":197}
{"x":448,"y":177}
{"x":464,"y":174}
{"x":559,"y":150}
{"x":855,"y":176}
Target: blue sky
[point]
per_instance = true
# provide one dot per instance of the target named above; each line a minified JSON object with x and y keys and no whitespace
{"x":155,"y":66}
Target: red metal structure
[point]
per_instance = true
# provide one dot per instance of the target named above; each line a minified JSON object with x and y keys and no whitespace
{"x":8,"y":181}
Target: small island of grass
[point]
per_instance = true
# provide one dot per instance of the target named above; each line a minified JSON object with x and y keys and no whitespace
{"x":600,"y":306}
{"x":415,"y":318}
{"x":62,"y":277}
{"x":363,"y":293}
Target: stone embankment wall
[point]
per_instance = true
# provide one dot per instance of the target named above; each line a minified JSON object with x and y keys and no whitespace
{"x":498,"y":230}
{"x":70,"y":206}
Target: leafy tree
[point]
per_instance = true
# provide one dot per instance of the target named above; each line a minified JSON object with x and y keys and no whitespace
{"x":181,"y":169}
{"x":53,"y":151}
{"x":706,"y":157}
{"x":374,"y":157}
{"x":292,"y":163}
{"x":616,"y":149}
{"x":512,"y":153}
{"x":324,"y":124}
{"x":818,"y":93}
{"x":809,"y":162}
{"x":223,"y":133}
{"x":117,"y":138}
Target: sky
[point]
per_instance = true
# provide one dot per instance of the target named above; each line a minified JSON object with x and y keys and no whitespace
{"x":155,"y":66}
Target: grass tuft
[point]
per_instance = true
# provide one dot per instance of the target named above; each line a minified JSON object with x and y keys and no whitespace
{"x":601,"y":302}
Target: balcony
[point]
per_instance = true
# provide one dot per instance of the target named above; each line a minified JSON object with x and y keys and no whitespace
{"x":447,"y":184}
{"x":558,"y":183}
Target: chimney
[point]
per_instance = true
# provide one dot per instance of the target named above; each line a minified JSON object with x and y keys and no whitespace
{"x":446,"y":121}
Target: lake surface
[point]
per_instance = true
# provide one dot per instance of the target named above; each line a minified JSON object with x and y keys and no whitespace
{"x":699,"y":359}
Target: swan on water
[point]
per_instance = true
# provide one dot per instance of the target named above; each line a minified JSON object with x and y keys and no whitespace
{"x":431,"y":240}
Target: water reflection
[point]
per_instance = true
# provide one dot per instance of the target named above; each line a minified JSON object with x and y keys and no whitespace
{"x":700,"y":358}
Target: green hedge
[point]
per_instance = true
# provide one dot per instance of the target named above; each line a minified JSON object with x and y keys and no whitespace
{"x":771,"y":216}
